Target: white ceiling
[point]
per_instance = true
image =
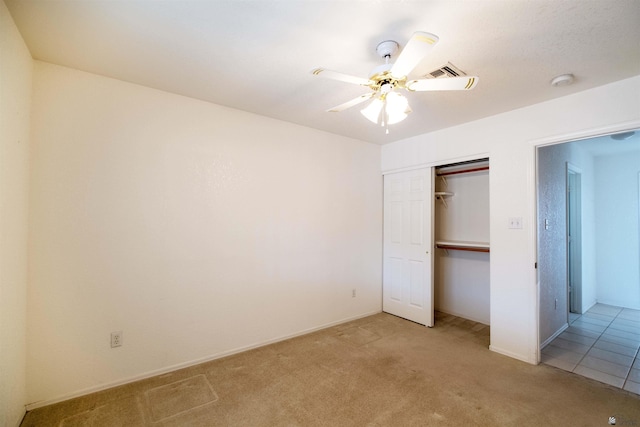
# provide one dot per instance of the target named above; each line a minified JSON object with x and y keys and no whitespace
{"x":256,"y":55}
{"x":606,"y":146}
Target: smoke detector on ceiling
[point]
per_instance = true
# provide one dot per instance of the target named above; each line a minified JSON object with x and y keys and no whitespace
{"x":563,"y":80}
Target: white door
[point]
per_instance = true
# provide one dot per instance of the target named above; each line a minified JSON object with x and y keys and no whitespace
{"x":407,"y":282}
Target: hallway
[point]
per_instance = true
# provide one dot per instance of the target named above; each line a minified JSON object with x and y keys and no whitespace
{"x":601,"y":344}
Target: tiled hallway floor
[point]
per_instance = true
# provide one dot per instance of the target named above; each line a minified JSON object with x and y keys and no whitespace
{"x":601,"y":344}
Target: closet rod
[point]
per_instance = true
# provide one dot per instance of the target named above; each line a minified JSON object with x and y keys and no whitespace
{"x":483,"y":168}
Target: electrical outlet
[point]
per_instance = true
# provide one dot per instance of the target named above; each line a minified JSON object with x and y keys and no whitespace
{"x":116,"y":339}
{"x":353,"y":293}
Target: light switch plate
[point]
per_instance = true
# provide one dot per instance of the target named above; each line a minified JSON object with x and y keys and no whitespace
{"x":515,"y":222}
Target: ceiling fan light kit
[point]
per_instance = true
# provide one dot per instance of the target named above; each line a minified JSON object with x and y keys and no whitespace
{"x":388,"y":106}
{"x":622,"y":136}
{"x":387,"y":110}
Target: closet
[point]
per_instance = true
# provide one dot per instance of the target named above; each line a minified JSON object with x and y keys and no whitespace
{"x":461,"y":234}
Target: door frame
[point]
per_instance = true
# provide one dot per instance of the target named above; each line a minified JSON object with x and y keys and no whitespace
{"x":574,"y":239}
{"x":533,"y":191}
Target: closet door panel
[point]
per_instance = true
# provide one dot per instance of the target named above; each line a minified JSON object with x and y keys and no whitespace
{"x":417,"y":222}
{"x":408,"y":230}
{"x":395,"y":271}
{"x":416,"y":282}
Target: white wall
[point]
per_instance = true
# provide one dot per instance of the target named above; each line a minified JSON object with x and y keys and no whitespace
{"x":15,"y":101}
{"x":617,"y":233}
{"x":195,"y":229}
{"x":509,"y":140}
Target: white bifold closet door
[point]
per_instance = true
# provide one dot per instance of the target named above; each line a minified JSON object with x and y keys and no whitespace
{"x":407,"y":282}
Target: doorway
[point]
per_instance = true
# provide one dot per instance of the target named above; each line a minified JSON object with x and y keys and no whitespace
{"x":588,"y":238}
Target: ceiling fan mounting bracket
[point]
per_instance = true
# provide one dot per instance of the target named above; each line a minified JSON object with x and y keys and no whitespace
{"x":387,"y":48}
{"x":381,"y":75}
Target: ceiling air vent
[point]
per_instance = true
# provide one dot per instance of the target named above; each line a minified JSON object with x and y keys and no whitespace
{"x":447,"y":70}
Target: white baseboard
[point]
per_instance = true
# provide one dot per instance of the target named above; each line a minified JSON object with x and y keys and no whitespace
{"x":89,"y":390}
{"x":554,"y":336}
{"x":589,"y":306}
{"x":622,"y":304}
{"x":532,"y":360}
{"x":463,"y":315}
{"x":20,"y":419}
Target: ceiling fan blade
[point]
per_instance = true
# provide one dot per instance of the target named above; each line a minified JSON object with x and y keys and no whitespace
{"x":351,"y":103}
{"x":417,"y":48}
{"x":334,"y":75}
{"x":450,"y":83}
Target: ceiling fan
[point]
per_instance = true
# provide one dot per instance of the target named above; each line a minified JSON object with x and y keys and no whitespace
{"x":386,"y":80}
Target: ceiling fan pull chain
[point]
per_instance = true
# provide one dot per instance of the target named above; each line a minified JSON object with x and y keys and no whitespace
{"x":386,"y":116}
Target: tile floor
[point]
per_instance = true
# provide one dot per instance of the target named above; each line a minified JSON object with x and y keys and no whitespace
{"x":601,"y":344}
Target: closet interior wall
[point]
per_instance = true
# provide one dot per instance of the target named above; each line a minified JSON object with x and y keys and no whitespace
{"x":461,"y":258}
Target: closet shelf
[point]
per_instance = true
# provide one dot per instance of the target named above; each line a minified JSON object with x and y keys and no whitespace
{"x":440,"y":195}
{"x":463,"y":246}
{"x":443,"y":193}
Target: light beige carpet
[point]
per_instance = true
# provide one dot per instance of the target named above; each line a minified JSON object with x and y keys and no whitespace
{"x":377,"y":371}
